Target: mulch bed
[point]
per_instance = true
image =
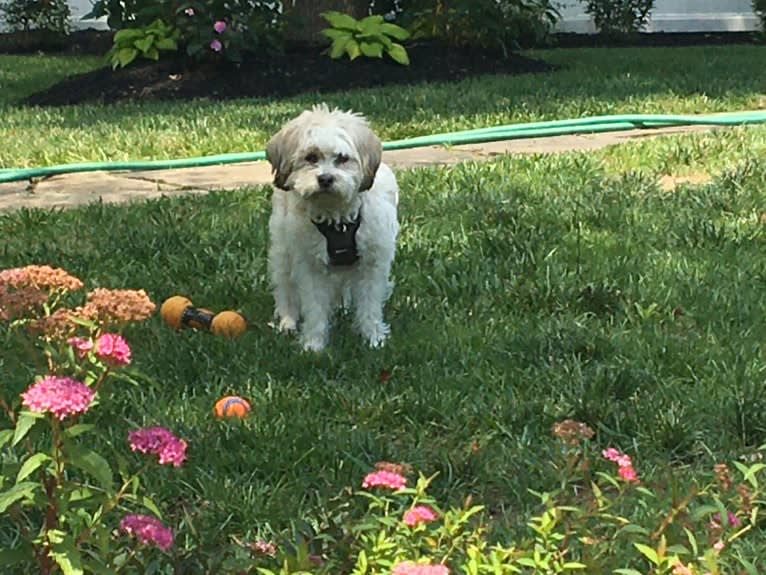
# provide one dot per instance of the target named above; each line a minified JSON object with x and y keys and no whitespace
{"x":299,"y":70}
{"x":281,"y":75}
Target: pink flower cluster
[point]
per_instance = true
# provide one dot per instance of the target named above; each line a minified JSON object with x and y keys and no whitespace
{"x":62,"y":396}
{"x":420,"y":514}
{"x":386,"y":479}
{"x":624,"y":463}
{"x":220,"y":28}
{"x":109,"y":347}
{"x":161,"y":442}
{"x":147,"y":530}
{"x":411,"y":568}
{"x":733,"y":520}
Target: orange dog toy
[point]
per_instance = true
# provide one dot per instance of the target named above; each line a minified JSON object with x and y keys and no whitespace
{"x":231,"y":406}
{"x":178,"y":312}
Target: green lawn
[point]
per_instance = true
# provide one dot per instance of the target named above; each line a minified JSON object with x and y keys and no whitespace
{"x":528,"y":290}
{"x":686,"y":80}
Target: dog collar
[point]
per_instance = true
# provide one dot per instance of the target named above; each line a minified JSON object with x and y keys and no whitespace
{"x":341,"y":241}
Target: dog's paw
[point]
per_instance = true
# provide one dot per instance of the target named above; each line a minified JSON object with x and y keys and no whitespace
{"x":377,"y":334}
{"x":314,"y":344}
{"x":287,"y":325}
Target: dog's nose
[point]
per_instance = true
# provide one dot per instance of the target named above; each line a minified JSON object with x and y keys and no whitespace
{"x":325,"y":180}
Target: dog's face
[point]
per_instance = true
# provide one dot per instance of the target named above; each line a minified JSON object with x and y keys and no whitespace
{"x":325,"y":155}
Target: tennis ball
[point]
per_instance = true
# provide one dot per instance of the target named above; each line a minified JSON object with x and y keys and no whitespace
{"x":231,"y":406}
{"x":228,"y":324}
{"x":172,"y":310}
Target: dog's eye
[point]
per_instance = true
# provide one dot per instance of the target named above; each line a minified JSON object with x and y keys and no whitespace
{"x":312,"y":158}
{"x":341,"y":159}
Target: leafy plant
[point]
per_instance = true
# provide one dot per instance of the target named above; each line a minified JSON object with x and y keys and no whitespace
{"x":26,"y":15}
{"x":125,"y":13}
{"x":759,"y":7}
{"x":503,"y":24}
{"x":370,"y":37}
{"x":146,"y":42}
{"x":619,"y":17}
{"x":57,"y":492}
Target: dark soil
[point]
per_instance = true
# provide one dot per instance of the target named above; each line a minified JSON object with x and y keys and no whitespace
{"x":293,"y":72}
{"x":299,"y":70}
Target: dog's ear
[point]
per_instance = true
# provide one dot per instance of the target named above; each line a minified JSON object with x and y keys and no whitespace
{"x":279,"y":153}
{"x":369,"y":148}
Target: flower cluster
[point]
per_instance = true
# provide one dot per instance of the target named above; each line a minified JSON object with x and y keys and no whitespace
{"x":109,"y":347}
{"x":27,"y":288}
{"x":61,"y":396}
{"x":161,"y":442}
{"x":624,"y":463}
{"x":147,"y":530}
{"x":572,"y":432}
{"x":119,"y":306}
{"x":385,"y":479}
{"x":411,"y":568}
{"x":420,"y":514}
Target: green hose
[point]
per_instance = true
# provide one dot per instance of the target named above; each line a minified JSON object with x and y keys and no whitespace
{"x":590,"y":125}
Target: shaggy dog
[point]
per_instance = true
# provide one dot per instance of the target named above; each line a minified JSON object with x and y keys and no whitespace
{"x":333,"y":225}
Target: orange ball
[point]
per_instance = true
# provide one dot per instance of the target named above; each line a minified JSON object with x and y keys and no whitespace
{"x":172,"y":310}
{"x":231,"y":406}
{"x":228,"y":324}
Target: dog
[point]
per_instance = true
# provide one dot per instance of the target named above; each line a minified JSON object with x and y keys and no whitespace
{"x":333,"y":226}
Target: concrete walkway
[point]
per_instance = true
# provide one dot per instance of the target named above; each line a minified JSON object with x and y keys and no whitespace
{"x":76,"y":189}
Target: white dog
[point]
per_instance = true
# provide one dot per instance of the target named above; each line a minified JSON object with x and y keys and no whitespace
{"x":333,"y":225}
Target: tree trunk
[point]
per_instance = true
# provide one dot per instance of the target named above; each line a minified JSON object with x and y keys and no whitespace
{"x":305,"y":22}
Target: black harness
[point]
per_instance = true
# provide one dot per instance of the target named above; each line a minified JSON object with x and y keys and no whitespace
{"x":341,"y":241}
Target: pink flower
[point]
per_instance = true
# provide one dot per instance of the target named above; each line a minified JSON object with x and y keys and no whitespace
{"x":113,"y":349}
{"x":420,"y":514}
{"x":216,"y":45}
{"x":734,"y":521}
{"x":719,"y":546}
{"x":61,"y":396}
{"x":81,"y":345}
{"x":148,"y":529}
{"x":161,"y":442}
{"x":387,"y":479}
{"x":411,"y":568}
{"x":262,"y":547}
{"x":220,"y":26}
{"x":611,"y":454}
{"x":189,"y":11}
{"x":627,"y":473}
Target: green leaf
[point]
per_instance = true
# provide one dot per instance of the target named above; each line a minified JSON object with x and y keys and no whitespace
{"x":339,"y":47}
{"x":396,"y":32}
{"x":127,"y":36}
{"x":340,"y":20}
{"x":352,"y":49}
{"x":126,"y":56}
{"x":749,"y":472}
{"x":152,"y":54}
{"x":572,"y":566}
{"x":65,"y":553}
{"x":647,"y":552}
{"x":371,"y":50}
{"x":24,"y":424}
{"x":5,"y":436}
{"x":166,"y":44}
{"x":91,"y":463}
{"x":144,"y":44}
{"x":31,"y":465}
{"x":78,"y":429}
{"x":371,"y":23}
{"x":627,"y":572}
{"x":16,"y":493}
{"x":151,"y":506}
{"x":335,"y":34}
{"x":10,"y":557}
{"x":399,"y":54}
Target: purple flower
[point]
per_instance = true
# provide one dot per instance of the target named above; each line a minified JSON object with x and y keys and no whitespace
{"x":220,"y":26}
{"x":147,"y":530}
{"x":216,"y":45}
{"x":62,"y":396}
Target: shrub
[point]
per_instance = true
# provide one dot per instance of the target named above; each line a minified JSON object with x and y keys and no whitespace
{"x":503,"y":24}
{"x":759,"y":7}
{"x":26,"y":15}
{"x":126,"y":13}
{"x":146,"y":42}
{"x":619,"y":17}
{"x":59,"y":497}
{"x":370,"y":37}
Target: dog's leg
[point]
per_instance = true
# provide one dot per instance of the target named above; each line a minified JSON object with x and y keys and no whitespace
{"x":318,"y":297}
{"x":369,"y":295}
{"x":286,"y":303}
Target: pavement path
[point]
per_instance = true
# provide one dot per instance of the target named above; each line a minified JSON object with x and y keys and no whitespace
{"x":71,"y":190}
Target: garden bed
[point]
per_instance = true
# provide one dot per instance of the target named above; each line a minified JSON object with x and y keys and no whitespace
{"x":294,"y":72}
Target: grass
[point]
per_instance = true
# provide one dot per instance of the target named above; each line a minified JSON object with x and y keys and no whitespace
{"x":528,"y":290}
{"x":630,"y":80}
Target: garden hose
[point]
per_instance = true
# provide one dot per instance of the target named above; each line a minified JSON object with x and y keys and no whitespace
{"x":589,"y":125}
